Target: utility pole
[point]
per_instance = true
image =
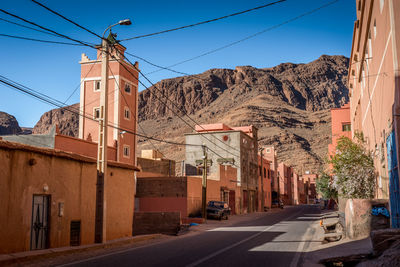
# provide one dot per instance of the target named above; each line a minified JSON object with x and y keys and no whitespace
{"x":262,"y":179}
{"x":101,"y":185}
{"x":204,"y":184}
{"x":101,"y":207}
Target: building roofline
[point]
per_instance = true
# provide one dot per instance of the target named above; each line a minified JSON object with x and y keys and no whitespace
{"x":62,"y":154}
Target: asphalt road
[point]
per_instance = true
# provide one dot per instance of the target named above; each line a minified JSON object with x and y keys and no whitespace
{"x":271,"y":239}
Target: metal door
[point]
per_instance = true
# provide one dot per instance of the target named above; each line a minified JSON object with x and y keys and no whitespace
{"x":394,"y":189}
{"x":40,"y":222}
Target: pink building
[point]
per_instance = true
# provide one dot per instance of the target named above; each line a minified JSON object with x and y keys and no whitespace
{"x":341,"y":126}
{"x":374,"y":84}
{"x":122,"y":103}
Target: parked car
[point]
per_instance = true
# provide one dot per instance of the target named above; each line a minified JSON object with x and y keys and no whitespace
{"x":218,"y":209}
{"x":277,"y":204}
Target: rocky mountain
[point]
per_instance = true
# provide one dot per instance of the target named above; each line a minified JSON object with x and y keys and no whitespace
{"x":289,"y":104}
{"x":8,"y":124}
{"x":67,"y":122}
{"x":318,"y":85}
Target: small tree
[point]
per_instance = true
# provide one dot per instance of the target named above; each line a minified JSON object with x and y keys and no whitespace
{"x":353,"y":169}
{"x":324,"y":186}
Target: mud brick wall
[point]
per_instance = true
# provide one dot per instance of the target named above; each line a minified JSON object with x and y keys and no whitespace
{"x":156,"y":223}
{"x":161,"y":187}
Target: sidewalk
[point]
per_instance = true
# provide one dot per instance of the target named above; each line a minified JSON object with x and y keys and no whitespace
{"x":339,"y":249}
{"x":22,"y":258}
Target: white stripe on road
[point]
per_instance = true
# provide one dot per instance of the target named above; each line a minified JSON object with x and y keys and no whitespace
{"x":237,"y":243}
{"x":300,"y":248}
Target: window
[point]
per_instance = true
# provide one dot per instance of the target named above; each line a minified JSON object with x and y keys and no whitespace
{"x":375,"y":28}
{"x":268,"y":150}
{"x":96,"y":113}
{"x":346,"y":127}
{"x":381,"y":4}
{"x":97,"y":86}
{"x":127,"y":113}
{"x":127,"y":88}
{"x":369,"y":46}
{"x":127,"y":151}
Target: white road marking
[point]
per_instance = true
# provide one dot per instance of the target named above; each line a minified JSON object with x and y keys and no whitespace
{"x":210,"y":256}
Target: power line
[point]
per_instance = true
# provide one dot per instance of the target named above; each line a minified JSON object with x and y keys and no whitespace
{"x":249,"y":36}
{"x":69,"y":38}
{"x":130,"y":109}
{"x":49,"y":100}
{"x":46,"y":29}
{"x":27,"y":27}
{"x":37,"y":40}
{"x":176,"y":114}
{"x":203,"y":22}
{"x":82,"y":80}
{"x":67,"y":19}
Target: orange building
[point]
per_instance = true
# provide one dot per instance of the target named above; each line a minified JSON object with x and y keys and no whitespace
{"x":270,"y":155}
{"x":311,"y":180}
{"x":122,"y":103}
{"x":264,"y":183}
{"x":48,"y":198}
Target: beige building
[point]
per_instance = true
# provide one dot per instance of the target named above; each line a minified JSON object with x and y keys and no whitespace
{"x":374,"y":89}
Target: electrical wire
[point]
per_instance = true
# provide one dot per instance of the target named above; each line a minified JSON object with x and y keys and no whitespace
{"x":27,"y":27}
{"x":37,"y":40}
{"x":14,"y":85}
{"x":203,"y":22}
{"x":249,"y":36}
{"x":82,"y":80}
{"x":47,"y":29}
{"x":65,"y":18}
{"x":202,"y":135}
{"x":130,"y":109}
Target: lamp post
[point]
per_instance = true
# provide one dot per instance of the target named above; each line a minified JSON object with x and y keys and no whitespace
{"x":100,"y":225}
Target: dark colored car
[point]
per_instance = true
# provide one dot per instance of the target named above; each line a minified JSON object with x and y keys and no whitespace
{"x":277,"y":204}
{"x":218,"y":209}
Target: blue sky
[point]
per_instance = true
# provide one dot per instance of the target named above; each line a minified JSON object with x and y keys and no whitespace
{"x":54,"y":69}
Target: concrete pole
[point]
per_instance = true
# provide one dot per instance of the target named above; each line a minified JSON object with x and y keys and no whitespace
{"x":101,"y":207}
{"x":204,"y":184}
{"x":262,"y":180}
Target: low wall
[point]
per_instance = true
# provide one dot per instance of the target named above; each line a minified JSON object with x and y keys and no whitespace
{"x":359,"y":219}
{"x":156,"y":223}
{"x":163,"y":167}
{"x":82,"y":147}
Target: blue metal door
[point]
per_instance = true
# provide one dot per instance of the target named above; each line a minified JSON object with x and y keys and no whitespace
{"x":394,"y":189}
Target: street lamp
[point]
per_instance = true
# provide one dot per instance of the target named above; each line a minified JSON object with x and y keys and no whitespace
{"x":100,"y":225}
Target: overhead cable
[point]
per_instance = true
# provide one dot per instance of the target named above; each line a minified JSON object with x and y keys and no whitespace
{"x":203,"y":22}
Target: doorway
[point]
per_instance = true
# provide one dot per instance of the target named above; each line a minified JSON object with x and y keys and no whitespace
{"x":40,"y":222}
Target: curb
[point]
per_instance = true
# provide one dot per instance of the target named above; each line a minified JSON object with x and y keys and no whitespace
{"x":26,"y":256}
